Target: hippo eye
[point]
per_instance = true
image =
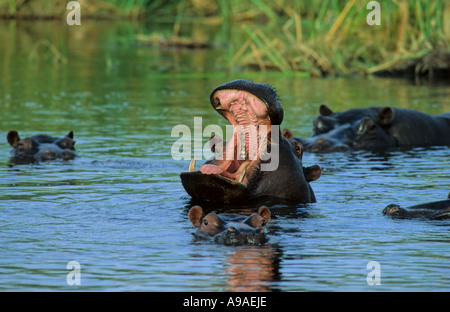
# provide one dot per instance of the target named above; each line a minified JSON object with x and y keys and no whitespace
{"x":366,"y":126}
{"x":320,"y":125}
{"x":205,"y":222}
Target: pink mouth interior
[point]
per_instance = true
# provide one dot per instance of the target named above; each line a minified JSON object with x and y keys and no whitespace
{"x":240,"y":108}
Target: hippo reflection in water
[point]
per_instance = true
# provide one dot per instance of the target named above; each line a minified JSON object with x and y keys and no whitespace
{"x":230,"y":228}
{"x":375,"y":129}
{"x":438,"y":210}
{"x":244,"y":104}
{"x":40,"y":147}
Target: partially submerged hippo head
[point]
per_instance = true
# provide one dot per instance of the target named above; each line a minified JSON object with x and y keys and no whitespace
{"x":438,"y":210}
{"x":41,"y":147}
{"x":230,"y":228}
{"x":257,"y":161}
{"x":353,"y":129}
{"x":375,"y":129}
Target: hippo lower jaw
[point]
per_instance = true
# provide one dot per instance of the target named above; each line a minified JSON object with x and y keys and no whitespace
{"x":223,"y":170}
{"x":214,"y":187}
{"x":222,"y":181}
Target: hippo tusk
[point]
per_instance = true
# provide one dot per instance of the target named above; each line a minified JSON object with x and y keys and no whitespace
{"x":241,"y":178}
{"x":192,"y":165}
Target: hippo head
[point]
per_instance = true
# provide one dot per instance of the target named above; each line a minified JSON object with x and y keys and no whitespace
{"x":41,"y":147}
{"x":230,"y":228}
{"x":395,"y":211}
{"x":243,"y":171}
{"x":354,"y":129}
{"x":438,"y":210}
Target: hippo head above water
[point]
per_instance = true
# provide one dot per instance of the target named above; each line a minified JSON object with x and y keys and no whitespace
{"x":230,"y":228}
{"x":41,"y":147}
{"x":374,"y":129}
{"x":243,"y":171}
{"x":438,"y":210}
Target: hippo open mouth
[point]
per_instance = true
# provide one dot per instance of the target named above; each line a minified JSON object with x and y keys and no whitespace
{"x":252,"y":109}
{"x":257,"y":160}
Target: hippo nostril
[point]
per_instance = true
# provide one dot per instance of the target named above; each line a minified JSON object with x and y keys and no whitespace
{"x":321,"y":141}
{"x":49,"y":155}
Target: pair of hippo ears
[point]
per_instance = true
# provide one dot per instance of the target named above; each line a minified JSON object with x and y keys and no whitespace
{"x":385,"y":116}
{"x":196,"y":214}
{"x":263,"y":91}
{"x":14,"y":138}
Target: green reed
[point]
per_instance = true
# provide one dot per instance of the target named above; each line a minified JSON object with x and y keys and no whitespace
{"x":322,"y":36}
{"x":333,"y":36}
{"x":316,"y":36}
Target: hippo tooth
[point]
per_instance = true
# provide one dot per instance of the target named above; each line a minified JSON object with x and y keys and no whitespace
{"x":241,"y":178}
{"x":192,"y":165}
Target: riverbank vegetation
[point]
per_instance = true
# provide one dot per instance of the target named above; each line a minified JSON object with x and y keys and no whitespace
{"x":320,"y":37}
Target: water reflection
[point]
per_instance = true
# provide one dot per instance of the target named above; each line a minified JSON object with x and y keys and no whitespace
{"x":253,"y":268}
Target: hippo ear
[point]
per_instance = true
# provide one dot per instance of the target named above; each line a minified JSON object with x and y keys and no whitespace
{"x":298,"y":149}
{"x":265,"y":213}
{"x":312,"y":173}
{"x":70,"y":134}
{"x":386,"y":116}
{"x":13,"y":138}
{"x":287,"y":134}
{"x":325,"y":110}
{"x":196,"y":215}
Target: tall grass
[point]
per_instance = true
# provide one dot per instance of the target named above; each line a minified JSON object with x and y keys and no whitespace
{"x":316,"y":36}
{"x":333,"y":36}
{"x":322,"y":36}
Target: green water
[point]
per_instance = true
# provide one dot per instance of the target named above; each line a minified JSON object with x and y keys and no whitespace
{"x":119,"y":208}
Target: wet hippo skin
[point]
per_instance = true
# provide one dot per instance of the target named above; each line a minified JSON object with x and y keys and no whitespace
{"x":242,"y":177}
{"x":438,"y":210}
{"x":375,"y":129}
{"x":230,"y":228}
{"x":40,"y":147}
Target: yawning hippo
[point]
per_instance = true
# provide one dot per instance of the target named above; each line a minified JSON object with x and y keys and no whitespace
{"x":375,"y":129}
{"x":230,"y":228}
{"x":434,"y":211}
{"x":257,"y":161}
{"x":40,"y":147}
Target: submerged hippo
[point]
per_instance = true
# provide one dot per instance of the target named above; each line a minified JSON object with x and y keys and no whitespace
{"x":434,"y":211}
{"x":40,"y":147}
{"x":375,"y":129}
{"x":434,"y":65}
{"x":230,"y":228}
{"x":258,"y":160}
